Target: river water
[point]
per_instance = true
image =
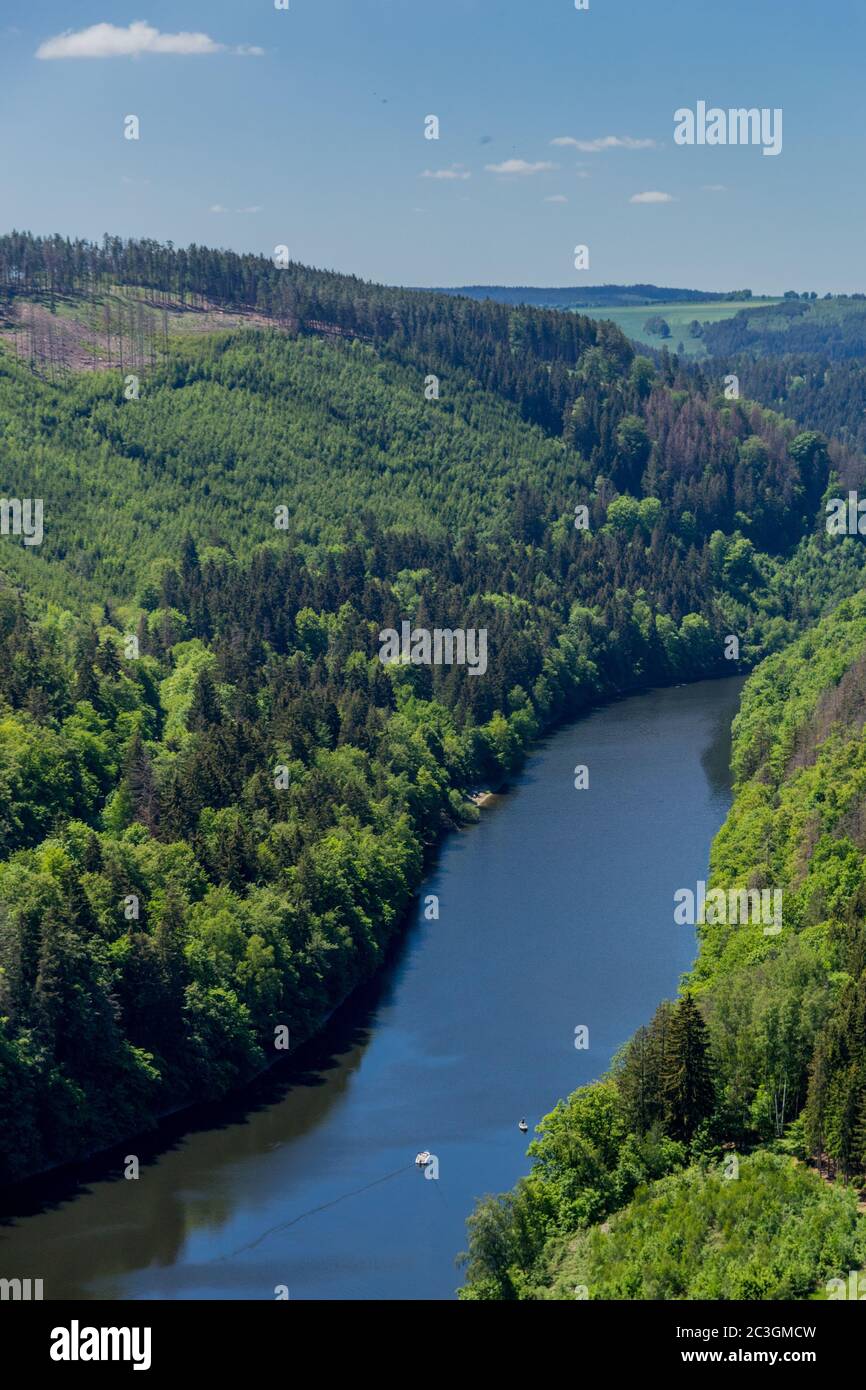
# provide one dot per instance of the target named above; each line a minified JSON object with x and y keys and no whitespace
{"x":555,"y":911}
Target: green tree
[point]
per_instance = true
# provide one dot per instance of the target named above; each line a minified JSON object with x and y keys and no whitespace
{"x":688,"y":1086}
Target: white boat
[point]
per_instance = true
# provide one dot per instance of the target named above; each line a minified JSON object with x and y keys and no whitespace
{"x":422,"y":1159}
{"x":523,"y":1127}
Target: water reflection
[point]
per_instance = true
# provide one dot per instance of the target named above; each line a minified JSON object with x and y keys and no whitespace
{"x":556,"y":911}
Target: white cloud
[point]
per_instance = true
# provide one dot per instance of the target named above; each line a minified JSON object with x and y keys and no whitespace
{"x":714,"y":188}
{"x":605,"y":142}
{"x":520,"y":166}
{"x":556,"y":198}
{"x":111,"y":41}
{"x":652,"y":198}
{"x":456,"y":171}
{"x":217,"y":207}
{"x":220,"y":207}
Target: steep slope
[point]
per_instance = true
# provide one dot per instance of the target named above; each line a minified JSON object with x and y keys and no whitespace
{"x":766,"y":1049}
{"x":216,"y":799}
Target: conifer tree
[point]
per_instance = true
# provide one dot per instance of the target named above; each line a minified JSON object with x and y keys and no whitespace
{"x":688,"y":1086}
{"x":204,"y":712}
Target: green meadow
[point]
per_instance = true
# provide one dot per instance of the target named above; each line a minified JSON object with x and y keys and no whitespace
{"x":678,"y":316}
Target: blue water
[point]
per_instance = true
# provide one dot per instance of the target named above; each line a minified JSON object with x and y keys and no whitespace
{"x":555,"y":911}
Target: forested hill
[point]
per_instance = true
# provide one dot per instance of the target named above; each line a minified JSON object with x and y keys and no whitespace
{"x":699,"y":1167}
{"x":593,"y":296}
{"x":833,"y":328}
{"x":216,"y":799}
{"x":524,"y":358}
{"x":804,"y":358}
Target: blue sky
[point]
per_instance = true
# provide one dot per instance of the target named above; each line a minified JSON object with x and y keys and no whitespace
{"x":318,"y":141}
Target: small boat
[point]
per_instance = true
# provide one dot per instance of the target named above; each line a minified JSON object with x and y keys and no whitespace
{"x":422,"y":1159}
{"x":523,"y":1127}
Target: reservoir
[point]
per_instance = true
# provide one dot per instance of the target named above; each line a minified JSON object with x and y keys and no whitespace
{"x":555,"y":912}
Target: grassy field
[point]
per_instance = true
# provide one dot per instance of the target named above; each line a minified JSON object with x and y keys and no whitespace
{"x":632,"y":319}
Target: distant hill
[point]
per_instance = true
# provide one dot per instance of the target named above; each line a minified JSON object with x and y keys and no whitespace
{"x":637,"y":310}
{"x":593,"y":296}
{"x":833,"y":327}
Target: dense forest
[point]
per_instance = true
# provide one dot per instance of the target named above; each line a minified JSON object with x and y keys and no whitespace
{"x":216,"y":800}
{"x":817,"y":392}
{"x":760,"y":1063}
{"x":833,"y":327}
{"x":796,"y":368}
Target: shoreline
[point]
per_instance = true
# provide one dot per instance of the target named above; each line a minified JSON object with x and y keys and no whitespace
{"x":479,"y":799}
{"x":483,"y":798}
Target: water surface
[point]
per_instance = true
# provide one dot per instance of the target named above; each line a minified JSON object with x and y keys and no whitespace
{"x":555,"y":911}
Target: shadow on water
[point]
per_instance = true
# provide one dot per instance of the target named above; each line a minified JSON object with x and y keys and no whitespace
{"x":326,"y":1063}
{"x":716,"y":757}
